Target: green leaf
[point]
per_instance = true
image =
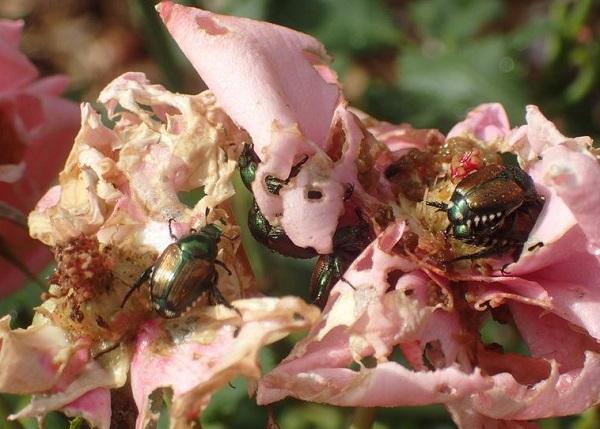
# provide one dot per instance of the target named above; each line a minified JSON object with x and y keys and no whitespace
{"x":443,"y":85}
{"x":254,"y":9}
{"x":453,"y":21}
{"x":350,"y":26}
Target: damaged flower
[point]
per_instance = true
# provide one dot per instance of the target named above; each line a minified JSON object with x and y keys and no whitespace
{"x":123,"y":200}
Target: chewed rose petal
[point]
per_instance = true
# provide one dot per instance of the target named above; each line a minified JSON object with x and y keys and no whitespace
{"x":93,"y":406}
{"x":290,"y":105}
{"x":573,"y":174}
{"x":162,"y":143}
{"x":241,"y":61}
{"x":558,"y":395}
{"x":34,"y":359}
{"x":203,"y":361}
{"x":40,"y":361}
{"x":487,"y":123}
{"x":388,"y":385}
{"x":92,"y":377}
{"x":369,"y":318}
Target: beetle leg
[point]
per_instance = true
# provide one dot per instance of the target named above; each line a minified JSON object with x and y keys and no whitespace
{"x":173,"y":236}
{"x":274,"y":184}
{"x":440,"y":206}
{"x":221,"y":264}
{"x":537,"y":245}
{"x":216,"y":297}
{"x":503,"y":269}
{"x":140,"y":281}
{"x":488,"y":251}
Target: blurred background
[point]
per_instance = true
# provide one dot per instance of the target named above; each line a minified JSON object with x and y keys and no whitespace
{"x":426,"y":62}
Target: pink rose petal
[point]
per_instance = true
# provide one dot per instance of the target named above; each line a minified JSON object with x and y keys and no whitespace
{"x":93,"y":406}
{"x":487,"y":123}
{"x":196,"y":367}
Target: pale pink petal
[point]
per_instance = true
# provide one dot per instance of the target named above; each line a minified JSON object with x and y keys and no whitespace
{"x":290,"y":106}
{"x":139,"y":166}
{"x":487,"y":123}
{"x":42,"y":362}
{"x":93,"y":406}
{"x":370,"y":320}
{"x":574,"y":175}
{"x":34,"y":359}
{"x":195,"y":367}
{"x":558,"y":395}
{"x":577,"y":303}
{"x":264,"y":75}
{"x":531,"y":140}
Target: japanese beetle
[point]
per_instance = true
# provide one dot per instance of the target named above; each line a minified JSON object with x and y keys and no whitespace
{"x":495,"y":206}
{"x":274,"y":237}
{"x":183,"y":272}
{"x":248,"y":163}
{"x":348,"y":243}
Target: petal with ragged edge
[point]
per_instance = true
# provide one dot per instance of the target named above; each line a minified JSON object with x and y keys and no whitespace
{"x":212,"y":354}
{"x":290,"y":105}
{"x":162,"y":144}
{"x":371,"y":320}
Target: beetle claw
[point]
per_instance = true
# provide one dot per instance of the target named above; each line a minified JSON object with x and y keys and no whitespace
{"x":348,"y":283}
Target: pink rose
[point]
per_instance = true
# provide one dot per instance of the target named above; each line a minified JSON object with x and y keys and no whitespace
{"x":37,"y":128}
{"x":274,"y":83}
{"x":108,"y":219}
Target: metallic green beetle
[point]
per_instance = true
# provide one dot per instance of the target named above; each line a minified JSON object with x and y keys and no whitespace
{"x":495,"y":206}
{"x":248,"y":163}
{"x":348,"y":243}
{"x":183,"y":272}
{"x":274,"y":237}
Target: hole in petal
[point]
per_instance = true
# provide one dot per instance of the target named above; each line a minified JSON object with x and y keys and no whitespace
{"x":336,"y":144}
{"x":433,"y":355}
{"x":392,"y":278}
{"x":369,"y":362}
{"x":191,"y":198}
{"x":445,"y":389}
{"x":314,"y":194}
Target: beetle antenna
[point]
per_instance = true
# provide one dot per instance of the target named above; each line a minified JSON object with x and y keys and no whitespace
{"x":145,"y":276}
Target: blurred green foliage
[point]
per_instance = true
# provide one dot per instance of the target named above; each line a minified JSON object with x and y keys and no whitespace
{"x":426,"y":62}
